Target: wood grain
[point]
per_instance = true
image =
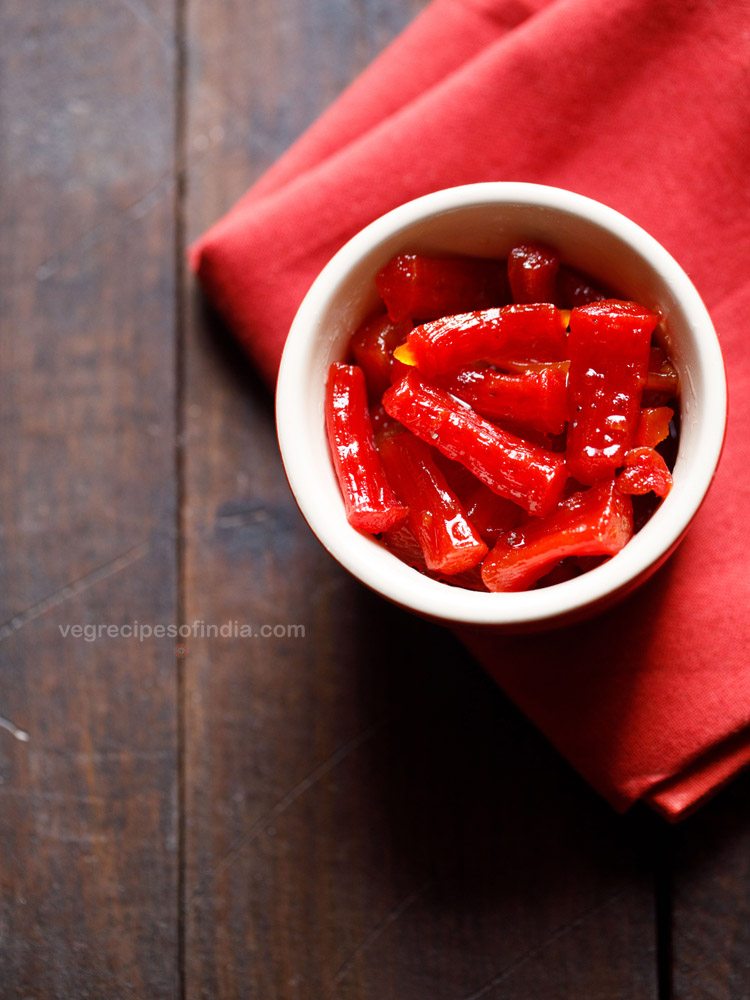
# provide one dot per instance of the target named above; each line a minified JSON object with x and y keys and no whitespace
{"x":710,"y":855}
{"x":357,"y":813}
{"x":367,"y":817}
{"x":88,"y":823}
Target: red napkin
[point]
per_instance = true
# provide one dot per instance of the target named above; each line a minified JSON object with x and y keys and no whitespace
{"x":641,"y":104}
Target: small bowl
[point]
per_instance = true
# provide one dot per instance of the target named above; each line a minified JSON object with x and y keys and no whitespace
{"x":487,"y":220}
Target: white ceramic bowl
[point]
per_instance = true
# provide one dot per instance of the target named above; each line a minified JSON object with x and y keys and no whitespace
{"x":487,"y":220}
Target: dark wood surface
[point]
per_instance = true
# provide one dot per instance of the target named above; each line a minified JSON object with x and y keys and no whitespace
{"x":358,"y":813}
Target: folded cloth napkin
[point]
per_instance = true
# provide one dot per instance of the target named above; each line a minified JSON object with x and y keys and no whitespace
{"x":641,"y":104}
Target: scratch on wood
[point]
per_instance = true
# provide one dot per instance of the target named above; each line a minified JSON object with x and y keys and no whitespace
{"x":141,"y":13}
{"x":379,"y":929}
{"x":91,"y":238}
{"x":316,"y":775}
{"x":66,"y":837}
{"x":534,"y":953}
{"x":12,"y":728}
{"x":73,"y":589}
{"x":64,"y":797}
{"x":104,"y":754}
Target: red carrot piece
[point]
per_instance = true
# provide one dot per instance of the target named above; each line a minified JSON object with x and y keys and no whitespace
{"x":609,"y":352}
{"x":372,"y":347}
{"x":593,"y":522}
{"x":417,"y":287}
{"x":537,"y":399}
{"x":536,"y":332}
{"x":371,"y":505}
{"x":530,"y":476}
{"x":645,"y":472}
{"x":448,"y":540}
{"x":532,"y":273}
{"x":575,"y":289}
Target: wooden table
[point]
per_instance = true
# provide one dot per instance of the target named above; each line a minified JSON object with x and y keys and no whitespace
{"x":358,"y":813}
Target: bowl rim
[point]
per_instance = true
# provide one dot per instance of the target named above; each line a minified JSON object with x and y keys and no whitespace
{"x":383,"y":572}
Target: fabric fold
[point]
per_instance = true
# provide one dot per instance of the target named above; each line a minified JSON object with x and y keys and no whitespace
{"x":641,"y":105}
